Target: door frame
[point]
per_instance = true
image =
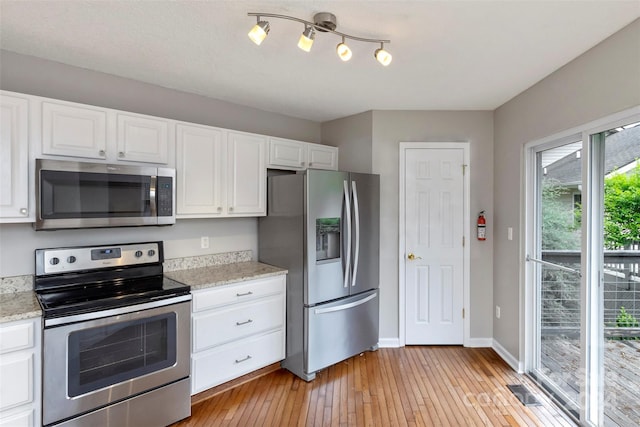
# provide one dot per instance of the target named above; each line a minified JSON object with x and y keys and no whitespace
{"x":466,"y":233}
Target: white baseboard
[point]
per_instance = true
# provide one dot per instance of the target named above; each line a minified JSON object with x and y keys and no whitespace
{"x":389,"y":342}
{"x":511,"y":360}
{"x":479,"y":342}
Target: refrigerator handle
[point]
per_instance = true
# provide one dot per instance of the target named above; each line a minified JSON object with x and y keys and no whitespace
{"x":344,"y":306}
{"x":347,"y":207}
{"x":356,"y":217}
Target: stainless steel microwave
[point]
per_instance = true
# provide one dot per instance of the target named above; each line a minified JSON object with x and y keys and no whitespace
{"x":90,"y":195}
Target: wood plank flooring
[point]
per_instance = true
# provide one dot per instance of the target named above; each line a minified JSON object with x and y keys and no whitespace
{"x":410,"y":386}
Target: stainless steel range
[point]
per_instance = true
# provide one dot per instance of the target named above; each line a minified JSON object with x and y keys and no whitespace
{"x":115,"y":339}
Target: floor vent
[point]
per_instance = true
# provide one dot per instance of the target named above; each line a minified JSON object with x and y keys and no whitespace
{"x":523,"y":394}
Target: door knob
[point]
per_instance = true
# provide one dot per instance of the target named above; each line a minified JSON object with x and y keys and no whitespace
{"x":411,"y":256}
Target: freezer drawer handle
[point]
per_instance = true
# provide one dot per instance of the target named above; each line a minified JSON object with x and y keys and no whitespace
{"x":243,"y":323}
{"x":243,"y":360}
{"x":245,"y":294}
{"x":344,"y":306}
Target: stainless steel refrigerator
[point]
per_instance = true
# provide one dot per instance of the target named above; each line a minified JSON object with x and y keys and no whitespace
{"x":323,"y":226}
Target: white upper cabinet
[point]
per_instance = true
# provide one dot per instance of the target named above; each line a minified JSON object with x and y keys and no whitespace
{"x":77,"y":130}
{"x":322,"y":156}
{"x":142,"y":139}
{"x":220,"y":173}
{"x":298,"y":155}
{"x":14,"y":159}
{"x":247,"y":174}
{"x":200,"y":163}
{"x":69,"y":130}
{"x":287,"y":153}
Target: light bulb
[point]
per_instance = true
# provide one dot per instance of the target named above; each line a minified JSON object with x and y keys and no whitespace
{"x":306,"y":39}
{"x":383,"y":56}
{"x":343,"y":51}
{"x":259,"y":32}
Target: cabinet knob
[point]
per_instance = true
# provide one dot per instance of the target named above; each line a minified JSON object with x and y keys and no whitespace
{"x":230,"y":208}
{"x":102,"y":153}
{"x":301,"y":163}
{"x":310,"y":164}
{"x":219,"y":208}
{"x":121,"y":154}
{"x":23,"y":211}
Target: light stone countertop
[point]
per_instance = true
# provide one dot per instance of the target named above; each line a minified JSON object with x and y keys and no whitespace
{"x":219,"y":275}
{"x":18,"y":306}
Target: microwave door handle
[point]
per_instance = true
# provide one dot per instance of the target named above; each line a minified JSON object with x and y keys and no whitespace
{"x":152,"y":196}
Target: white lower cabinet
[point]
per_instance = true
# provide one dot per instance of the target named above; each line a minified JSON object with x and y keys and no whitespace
{"x":20,"y":344}
{"x":236,"y":329}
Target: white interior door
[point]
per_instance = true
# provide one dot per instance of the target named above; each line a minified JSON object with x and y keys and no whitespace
{"x":433,"y":250}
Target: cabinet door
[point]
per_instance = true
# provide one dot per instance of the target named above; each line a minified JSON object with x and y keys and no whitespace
{"x":322,"y":156}
{"x":200,"y":171}
{"x":73,"y":131}
{"x":142,"y":139}
{"x":287,"y":153}
{"x":16,"y":374}
{"x":14,"y":160}
{"x":247,"y":175}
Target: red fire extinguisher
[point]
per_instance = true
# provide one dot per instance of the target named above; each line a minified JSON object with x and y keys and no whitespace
{"x":482,"y":226}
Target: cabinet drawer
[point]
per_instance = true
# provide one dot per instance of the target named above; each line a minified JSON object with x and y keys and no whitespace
{"x":245,"y":291}
{"x":25,"y":418}
{"x":16,"y":337}
{"x":221,"y":364}
{"x":220,"y":326}
{"x":16,"y":371}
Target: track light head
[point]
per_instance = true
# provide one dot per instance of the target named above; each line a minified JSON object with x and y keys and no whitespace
{"x":343,"y":51}
{"x":306,"y":39}
{"x":382,"y":55}
{"x":259,"y":31}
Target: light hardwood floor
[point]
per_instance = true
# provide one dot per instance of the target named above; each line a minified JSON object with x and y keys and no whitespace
{"x":410,"y":386}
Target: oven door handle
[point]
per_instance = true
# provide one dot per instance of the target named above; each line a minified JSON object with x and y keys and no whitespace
{"x":57,"y":321}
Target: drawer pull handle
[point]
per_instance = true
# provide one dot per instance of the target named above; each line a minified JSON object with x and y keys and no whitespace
{"x":245,"y":294}
{"x":243,"y":323}
{"x":243,"y":360}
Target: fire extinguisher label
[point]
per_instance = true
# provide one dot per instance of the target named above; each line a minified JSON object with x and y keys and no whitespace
{"x":482,"y":232}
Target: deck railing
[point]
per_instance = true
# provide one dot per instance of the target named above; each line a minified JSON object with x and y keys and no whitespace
{"x":560,"y":291}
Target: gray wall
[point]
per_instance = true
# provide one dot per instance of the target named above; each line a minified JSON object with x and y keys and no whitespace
{"x":369,"y":142}
{"x":602,"y":81}
{"x":36,"y":76}
{"x":40,"y":77}
{"x":389,"y":129}
{"x":353,"y":136}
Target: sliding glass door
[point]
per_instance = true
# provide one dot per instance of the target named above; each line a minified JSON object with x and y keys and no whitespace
{"x":583,"y":272}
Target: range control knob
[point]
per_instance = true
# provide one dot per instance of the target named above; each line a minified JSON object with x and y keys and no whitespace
{"x":151,"y":252}
{"x":71,"y":259}
{"x":138,"y":254}
{"x":54,"y":261}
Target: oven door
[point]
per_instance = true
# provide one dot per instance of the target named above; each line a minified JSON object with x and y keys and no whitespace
{"x":90,"y":364}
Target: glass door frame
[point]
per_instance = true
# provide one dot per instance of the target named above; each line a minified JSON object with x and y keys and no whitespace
{"x":591,"y":411}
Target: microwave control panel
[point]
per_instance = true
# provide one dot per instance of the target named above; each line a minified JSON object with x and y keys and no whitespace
{"x":165,"y":196}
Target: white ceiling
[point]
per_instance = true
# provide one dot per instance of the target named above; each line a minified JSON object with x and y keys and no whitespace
{"x":447,"y":55}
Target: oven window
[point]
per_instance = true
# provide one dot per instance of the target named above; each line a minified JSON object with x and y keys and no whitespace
{"x":107,"y":355}
{"x":93,"y":195}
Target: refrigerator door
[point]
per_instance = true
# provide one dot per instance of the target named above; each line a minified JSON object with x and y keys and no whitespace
{"x":365,"y":247}
{"x":327,"y":227}
{"x":340,"y":329}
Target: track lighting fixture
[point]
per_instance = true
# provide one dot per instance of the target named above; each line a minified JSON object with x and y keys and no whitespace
{"x":259,"y":31}
{"x":382,"y":55}
{"x":306,"y":39}
{"x":323,"y":22}
{"x":343,"y":51}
